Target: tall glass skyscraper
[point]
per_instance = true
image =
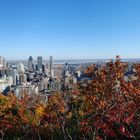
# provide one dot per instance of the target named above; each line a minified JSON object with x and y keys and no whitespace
{"x":2,"y":62}
{"x":30,"y":64}
{"x":51,"y":66}
{"x":39,"y":62}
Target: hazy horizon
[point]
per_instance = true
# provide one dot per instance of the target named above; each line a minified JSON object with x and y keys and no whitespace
{"x":47,"y":59}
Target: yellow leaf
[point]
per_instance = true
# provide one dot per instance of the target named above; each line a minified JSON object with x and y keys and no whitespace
{"x":81,"y":113}
{"x":69,"y":115}
{"x":39,"y":111}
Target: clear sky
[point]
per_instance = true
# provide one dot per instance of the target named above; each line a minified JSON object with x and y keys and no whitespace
{"x":70,"y":29}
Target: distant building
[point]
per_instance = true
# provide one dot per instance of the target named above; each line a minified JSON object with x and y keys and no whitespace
{"x":5,"y":84}
{"x":78,"y":73}
{"x":21,"y":90}
{"x":15,"y":80}
{"x":20,"y":68}
{"x":13,"y":73}
{"x":30,"y":64}
{"x":2,"y":72}
{"x":57,"y":73}
{"x":2,"y":62}
{"x":40,"y":86}
{"x":74,"y":80}
{"x":21,"y":76}
{"x":43,"y":68}
{"x":39,"y":62}
{"x":8,"y":65}
{"x":72,"y":69}
{"x":22,"y":79}
{"x":66,"y":67}
{"x":30,"y":76}
{"x":51,"y":66}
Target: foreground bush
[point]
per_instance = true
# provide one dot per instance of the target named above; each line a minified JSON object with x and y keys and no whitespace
{"x":106,"y":107}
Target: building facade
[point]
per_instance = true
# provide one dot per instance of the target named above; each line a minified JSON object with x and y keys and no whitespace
{"x":39,"y":62}
{"x":30,"y":64}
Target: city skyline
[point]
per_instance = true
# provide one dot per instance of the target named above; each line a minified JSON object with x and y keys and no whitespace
{"x":70,"y":29}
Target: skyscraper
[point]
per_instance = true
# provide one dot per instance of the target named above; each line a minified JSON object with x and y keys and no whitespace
{"x":39,"y":62}
{"x":13,"y":73}
{"x":14,"y":77}
{"x":2,"y":62}
{"x":20,"y":68}
{"x":22,"y":79}
{"x":30,"y":64}
{"x":51,"y":66}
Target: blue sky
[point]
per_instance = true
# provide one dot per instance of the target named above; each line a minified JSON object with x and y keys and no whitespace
{"x":70,"y":29}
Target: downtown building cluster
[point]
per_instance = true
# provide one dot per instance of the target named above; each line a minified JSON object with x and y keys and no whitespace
{"x":37,"y":77}
{"x":32,"y":78}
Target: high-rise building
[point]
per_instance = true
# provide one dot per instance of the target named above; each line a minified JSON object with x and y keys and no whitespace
{"x":22,"y":79}
{"x":5,"y":83}
{"x":51,"y":66}
{"x":20,"y":68}
{"x":2,"y":62}
{"x":39,"y":62}
{"x":13,"y":73}
{"x":15,"y":77}
{"x":43,"y":68}
{"x":30,"y":64}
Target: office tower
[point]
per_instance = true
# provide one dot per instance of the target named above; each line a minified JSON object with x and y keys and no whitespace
{"x":13,"y":73}
{"x":66,"y":67}
{"x":30,"y":76}
{"x":2,"y":62}
{"x":30,"y":64}
{"x":47,"y":66}
{"x":72,"y":69}
{"x":35,"y":68}
{"x":15,"y":77}
{"x":40,"y":85}
{"x":51,"y":66}
{"x":43,"y":68}
{"x":20,"y":68}
{"x":39,"y":62}
{"x":2,"y":72}
{"x":22,"y":79}
{"x":21,"y":76}
{"x":8,"y":65}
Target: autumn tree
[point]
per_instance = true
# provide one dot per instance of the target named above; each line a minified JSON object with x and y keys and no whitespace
{"x":105,"y":105}
{"x":109,"y":105}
